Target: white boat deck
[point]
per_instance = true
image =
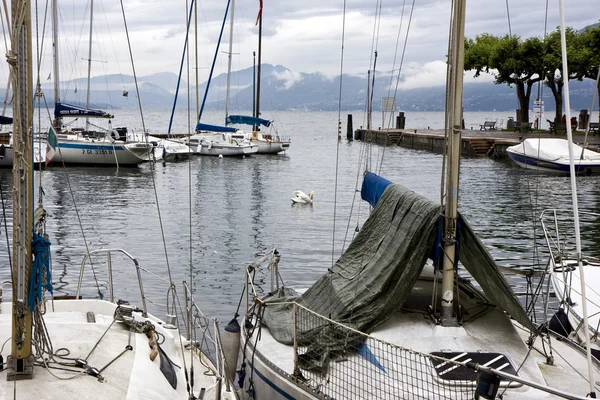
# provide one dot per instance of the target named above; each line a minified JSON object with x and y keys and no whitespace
{"x":131,"y":376}
{"x":490,"y":332}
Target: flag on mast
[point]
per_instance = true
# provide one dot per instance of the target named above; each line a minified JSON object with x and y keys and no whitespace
{"x":259,"y":13}
{"x":51,"y":146}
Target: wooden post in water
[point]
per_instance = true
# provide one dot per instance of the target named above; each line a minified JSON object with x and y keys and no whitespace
{"x":349,"y":128}
{"x":400,"y":120}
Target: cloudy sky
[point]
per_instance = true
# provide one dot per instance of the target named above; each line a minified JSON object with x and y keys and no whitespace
{"x":302,"y":35}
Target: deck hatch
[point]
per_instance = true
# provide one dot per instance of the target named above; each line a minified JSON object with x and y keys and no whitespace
{"x":450,"y":371}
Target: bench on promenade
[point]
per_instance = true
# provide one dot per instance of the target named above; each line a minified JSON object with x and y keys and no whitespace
{"x":554,"y":127}
{"x":594,"y":127}
{"x":491,"y":125}
{"x":523,"y":126}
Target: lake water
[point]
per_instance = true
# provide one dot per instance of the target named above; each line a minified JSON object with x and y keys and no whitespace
{"x":218,"y":215}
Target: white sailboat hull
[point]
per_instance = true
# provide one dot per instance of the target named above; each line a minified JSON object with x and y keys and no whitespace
{"x":219,"y":145}
{"x":87,"y":151}
{"x":7,"y":155}
{"x":266,"y":147}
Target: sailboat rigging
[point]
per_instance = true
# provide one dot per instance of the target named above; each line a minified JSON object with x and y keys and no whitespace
{"x":84,"y":146}
{"x":268,"y":143}
{"x":90,"y":348}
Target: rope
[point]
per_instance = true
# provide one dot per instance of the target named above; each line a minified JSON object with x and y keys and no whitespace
{"x":41,"y":277}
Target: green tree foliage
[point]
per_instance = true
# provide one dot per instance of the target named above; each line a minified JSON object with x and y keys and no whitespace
{"x":590,"y":48}
{"x":553,"y":65}
{"x":510,"y":60}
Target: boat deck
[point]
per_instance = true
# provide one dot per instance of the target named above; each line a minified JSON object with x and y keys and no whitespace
{"x":131,"y":376}
{"x":379,"y":370}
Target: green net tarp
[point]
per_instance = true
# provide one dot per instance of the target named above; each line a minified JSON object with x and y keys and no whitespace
{"x":373,"y":278}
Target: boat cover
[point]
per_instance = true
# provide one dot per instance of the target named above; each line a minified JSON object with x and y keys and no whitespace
{"x":213,"y":128}
{"x":373,"y":278}
{"x":69,"y":110}
{"x":5,"y":120}
{"x":555,"y":150}
{"x":373,"y":187}
{"x":247,"y":120}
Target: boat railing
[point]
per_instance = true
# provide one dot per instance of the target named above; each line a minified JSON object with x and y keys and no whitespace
{"x":558,"y":227}
{"x":338,"y":361}
{"x":198,"y":332}
{"x":109,"y":265}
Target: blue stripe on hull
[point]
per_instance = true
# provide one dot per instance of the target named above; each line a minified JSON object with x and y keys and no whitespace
{"x":82,"y":146}
{"x":271,"y":384}
{"x":551,"y":166}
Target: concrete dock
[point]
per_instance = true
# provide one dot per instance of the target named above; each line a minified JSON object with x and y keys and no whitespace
{"x":476,"y":143}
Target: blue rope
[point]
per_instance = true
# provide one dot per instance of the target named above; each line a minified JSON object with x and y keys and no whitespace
{"x":41,"y":251}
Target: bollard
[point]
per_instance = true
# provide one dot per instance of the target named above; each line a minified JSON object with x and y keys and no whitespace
{"x":584,"y":118}
{"x":349,"y":128}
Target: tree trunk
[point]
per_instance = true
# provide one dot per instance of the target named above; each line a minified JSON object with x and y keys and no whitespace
{"x":523,"y":97}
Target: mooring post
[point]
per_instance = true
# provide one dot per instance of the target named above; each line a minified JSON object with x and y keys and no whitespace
{"x":349,"y":129}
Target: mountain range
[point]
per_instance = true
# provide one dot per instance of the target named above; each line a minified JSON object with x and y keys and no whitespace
{"x":283,"y":89}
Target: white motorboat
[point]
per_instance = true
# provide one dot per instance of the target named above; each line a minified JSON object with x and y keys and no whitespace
{"x":552,"y":155}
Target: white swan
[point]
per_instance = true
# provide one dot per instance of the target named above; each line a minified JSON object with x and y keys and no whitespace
{"x":302,"y":198}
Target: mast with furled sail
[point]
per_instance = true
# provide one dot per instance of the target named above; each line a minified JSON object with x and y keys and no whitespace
{"x":20,"y":362}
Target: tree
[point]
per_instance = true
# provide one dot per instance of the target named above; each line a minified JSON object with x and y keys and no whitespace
{"x":590,"y":43}
{"x":510,"y":61}
{"x":553,"y":64}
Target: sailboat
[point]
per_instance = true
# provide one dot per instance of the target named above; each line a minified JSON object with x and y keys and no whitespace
{"x":217,"y":140}
{"x":83,"y":145}
{"x":83,"y":348}
{"x":383,"y":322}
{"x":268,"y":143}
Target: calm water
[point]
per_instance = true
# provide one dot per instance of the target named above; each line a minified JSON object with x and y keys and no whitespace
{"x":222,"y":213}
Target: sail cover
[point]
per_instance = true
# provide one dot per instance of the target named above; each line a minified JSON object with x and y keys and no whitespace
{"x":247,"y":120}
{"x":375,"y":275}
{"x":5,"y":120}
{"x":69,"y":110}
{"x":213,"y":128}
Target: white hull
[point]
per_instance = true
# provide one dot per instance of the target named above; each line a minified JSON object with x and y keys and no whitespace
{"x":567,"y":287}
{"x":266,"y":147}
{"x":220,"y":145}
{"x":73,"y":149}
{"x":39,"y":154}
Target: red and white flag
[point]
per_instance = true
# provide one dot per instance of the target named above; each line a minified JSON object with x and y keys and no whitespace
{"x":259,"y":13}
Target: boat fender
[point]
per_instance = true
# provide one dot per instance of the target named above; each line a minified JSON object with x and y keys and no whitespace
{"x":152,"y":343}
{"x":231,"y":347}
{"x":115,"y":135}
{"x":559,"y":323}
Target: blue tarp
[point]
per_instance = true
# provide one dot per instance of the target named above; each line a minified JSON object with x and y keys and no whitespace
{"x":247,"y":120}
{"x":373,"y":187}
{"x":5,"y":120}
{"x":69,"y":110}
{"x":213,"y":128}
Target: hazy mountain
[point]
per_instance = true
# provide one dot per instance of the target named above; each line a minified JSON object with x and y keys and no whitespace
{"x":283,"y":89}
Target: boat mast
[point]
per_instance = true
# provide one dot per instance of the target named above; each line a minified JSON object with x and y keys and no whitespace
{"x":257,"y":115}
{"x":229,"y":61}
{"x":254,"y":85}
{"x":20,"y":362}
{"x":57,"y":120}
{"x":453,"y":133}
{"x":565,"y":72}
{"x":87,"y":101}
